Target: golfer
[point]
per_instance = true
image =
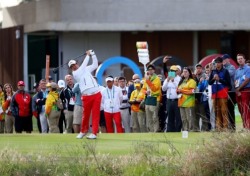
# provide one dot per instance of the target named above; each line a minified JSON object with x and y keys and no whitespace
{"x":90,"y":91}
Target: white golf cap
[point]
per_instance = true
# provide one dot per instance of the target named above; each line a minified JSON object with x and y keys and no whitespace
{"x":109,"y":78}
{"x":61,"y":83}
{"x":71,"y":62}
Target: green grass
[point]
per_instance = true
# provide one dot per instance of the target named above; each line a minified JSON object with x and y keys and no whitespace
{"x":148,"y":154}
{"x":114,"y":144}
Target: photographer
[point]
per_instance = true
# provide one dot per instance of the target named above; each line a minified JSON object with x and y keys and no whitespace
{"x":170,"y":85}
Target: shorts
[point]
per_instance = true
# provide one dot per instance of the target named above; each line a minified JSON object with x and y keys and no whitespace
{"x":77,"y":115}
{"x":23,"y":124}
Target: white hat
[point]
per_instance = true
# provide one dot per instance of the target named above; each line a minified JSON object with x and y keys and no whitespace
{"x":179,"y":67}
{"x":61,"y":83}
{"x":109,"y":78}
{"x":71,"y":62}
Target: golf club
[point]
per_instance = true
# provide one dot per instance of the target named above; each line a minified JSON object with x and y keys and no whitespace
{"x":55,"y":70}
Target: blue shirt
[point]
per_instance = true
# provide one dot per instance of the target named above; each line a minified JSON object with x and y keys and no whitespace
{"x":76,"y":90}
{"x":241,"y":74}
{"x":231,"y":69}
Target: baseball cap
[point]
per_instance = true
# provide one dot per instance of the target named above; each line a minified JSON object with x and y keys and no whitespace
{"x":50,"y":78}
{"x":71,"y":62}
{"x":225,"y":56}
{"x":179,"y":67}
{"x":109,"y":78}
{"x":198,"y":65}
{"x":53,"y":85}
{"x":150,"y":67}
{"x":61,"y":83}
{"x":218,"y":60}
{"x":173,"y":67}
{"x":20,"y":83}
{"x":137,"y":84}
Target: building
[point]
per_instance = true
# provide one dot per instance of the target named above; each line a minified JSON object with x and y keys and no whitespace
{"x":188,"y":30}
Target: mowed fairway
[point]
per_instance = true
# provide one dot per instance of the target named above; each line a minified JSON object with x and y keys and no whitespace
{"x":114,"y":144}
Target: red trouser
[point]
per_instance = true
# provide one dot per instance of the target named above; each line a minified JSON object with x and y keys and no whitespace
{"x":243,"y":102}
{"x":109,"y":122}
{"x":91,"y":104}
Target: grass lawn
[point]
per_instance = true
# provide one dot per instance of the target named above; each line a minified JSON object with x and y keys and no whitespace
{"x":114,"y":144}
{"x":148,"y":154}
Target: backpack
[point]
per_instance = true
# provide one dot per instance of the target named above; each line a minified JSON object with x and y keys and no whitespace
{"x":59,"y":103}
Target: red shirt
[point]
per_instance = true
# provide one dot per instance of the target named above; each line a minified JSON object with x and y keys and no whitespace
{"x":23,"y":101}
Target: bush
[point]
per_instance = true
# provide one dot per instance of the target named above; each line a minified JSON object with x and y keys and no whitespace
{"x":225,"y":154}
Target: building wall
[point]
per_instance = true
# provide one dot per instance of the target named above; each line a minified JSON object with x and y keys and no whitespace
{"x":105,"y":44}
{"x":11,"y":56}
{"x":129,"y":15}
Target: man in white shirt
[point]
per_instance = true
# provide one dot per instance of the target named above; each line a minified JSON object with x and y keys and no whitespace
{"x":111,"y":101}
{"x":124,"y":108}
{"x":90,"y":91}
{"x":174,"y":123}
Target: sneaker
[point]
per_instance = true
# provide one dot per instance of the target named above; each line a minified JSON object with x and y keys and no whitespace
{"x":91,"y":136}
{"x":80,"y":135}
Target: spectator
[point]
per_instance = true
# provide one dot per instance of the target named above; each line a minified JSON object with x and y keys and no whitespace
{"x":186,"y":101}
{"x":242,"y":90}
{"x":35,"y":108}
{"x":221,"y":83}
{"x":78,"y":109}
{"x":138,"y":115}
{"x":199,"y":106}
{"x":170,"y":85}
{"x":68,"y":98}
{"x":21,"y":108}
{"x":152,"y":87}
{"x":248,"y":62}
{"x":9,"y":118}
{"x":40,"y":101}
{"x":209,"y":68}
{"x":111,"y":101}
{"x":131,"y":88}
{"x":124,"y":108}
{"x":203,"y":88}
{"x":163,"y":113}
{"x":231,"y":93}
{"x":2,"y":120}
{"x":62,"y":121}
{"x":116,"y":83}
{"x":50,"y":79}
{"x":52,"y":112}
{"x":178,"y":72}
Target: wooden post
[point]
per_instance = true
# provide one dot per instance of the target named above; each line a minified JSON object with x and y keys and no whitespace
{"x":47,"y":68}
